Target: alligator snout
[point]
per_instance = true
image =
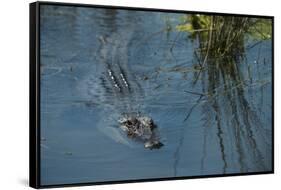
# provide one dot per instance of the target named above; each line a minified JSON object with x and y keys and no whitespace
{"x":155,"y":144}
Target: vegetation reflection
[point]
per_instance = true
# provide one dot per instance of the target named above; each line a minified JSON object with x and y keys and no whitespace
{"x":220,"y":62}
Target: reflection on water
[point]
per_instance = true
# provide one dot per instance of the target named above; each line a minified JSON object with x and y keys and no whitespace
{"x":211,"y":101}
{"x":226,"y":88}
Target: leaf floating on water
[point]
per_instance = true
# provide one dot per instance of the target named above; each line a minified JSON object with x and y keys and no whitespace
{"x":68,"y":153}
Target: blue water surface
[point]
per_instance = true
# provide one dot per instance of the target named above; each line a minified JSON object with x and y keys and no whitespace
{"x":228,"y":132}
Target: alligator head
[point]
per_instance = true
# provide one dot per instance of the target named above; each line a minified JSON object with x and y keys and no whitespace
{"x":142,"y":128}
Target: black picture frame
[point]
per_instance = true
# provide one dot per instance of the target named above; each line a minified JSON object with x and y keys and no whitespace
{"x":34,"y":94}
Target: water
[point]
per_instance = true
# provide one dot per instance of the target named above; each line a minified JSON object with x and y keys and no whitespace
{"x":226,"y":132}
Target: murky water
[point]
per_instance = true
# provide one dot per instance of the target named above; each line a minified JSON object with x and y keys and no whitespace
{"x":214,"y":126}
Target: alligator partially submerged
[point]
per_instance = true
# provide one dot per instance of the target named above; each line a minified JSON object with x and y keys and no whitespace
{"x":141,"y":128}
{"x":122,"y":85}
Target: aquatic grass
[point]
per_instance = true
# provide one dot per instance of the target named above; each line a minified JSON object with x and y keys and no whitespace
{"x":220,"y":56}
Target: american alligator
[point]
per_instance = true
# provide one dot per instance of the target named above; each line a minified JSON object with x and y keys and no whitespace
{"x":142,"y":128}
{"x":121,"y":83}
